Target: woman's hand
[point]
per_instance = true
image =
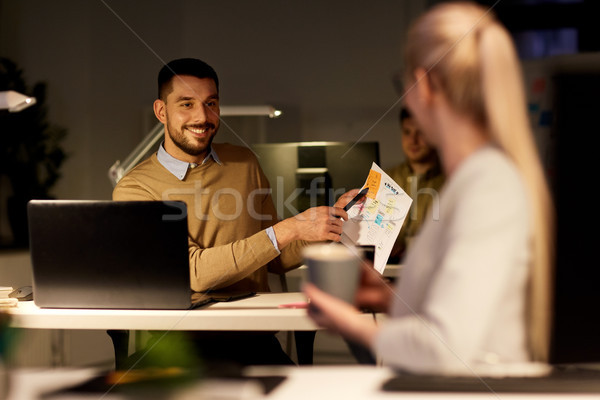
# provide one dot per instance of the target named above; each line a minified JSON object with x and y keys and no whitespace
{"x":340,"y":317}
{"x":374,"y":292}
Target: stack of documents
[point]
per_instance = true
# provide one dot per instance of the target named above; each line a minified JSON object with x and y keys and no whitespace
{"x":6,"y":301}
{"x":5,"y":291}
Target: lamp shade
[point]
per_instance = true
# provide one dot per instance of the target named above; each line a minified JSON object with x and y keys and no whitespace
{"x":15,"y":101}
{"x":258,"y":110}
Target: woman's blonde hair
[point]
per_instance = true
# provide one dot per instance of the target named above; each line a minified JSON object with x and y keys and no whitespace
{"x":469,"y":56}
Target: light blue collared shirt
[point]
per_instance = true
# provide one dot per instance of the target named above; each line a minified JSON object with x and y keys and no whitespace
{"x":180,"y":168}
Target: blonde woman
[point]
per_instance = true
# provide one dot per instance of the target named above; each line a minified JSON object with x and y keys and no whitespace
{"x":475,"y":288}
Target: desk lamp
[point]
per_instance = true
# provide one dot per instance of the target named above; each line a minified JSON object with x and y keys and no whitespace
{"x":15,"y":101}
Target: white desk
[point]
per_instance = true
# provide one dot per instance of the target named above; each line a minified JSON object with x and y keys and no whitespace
{"x":258,"y":313}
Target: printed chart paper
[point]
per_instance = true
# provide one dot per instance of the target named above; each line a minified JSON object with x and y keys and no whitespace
{"x":377,"y":221}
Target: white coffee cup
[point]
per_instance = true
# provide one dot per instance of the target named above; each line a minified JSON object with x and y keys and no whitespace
{"x":334,"y":268}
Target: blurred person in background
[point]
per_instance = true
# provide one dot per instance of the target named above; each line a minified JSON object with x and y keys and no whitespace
{"x":420,"y":176}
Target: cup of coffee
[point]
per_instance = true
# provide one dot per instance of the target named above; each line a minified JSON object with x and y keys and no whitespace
{"x":334,"y":268}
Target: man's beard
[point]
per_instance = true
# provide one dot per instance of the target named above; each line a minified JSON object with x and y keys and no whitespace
{"x":187,"y":145}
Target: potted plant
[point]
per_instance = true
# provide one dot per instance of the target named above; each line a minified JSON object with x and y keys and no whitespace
{"x":30,"y":152}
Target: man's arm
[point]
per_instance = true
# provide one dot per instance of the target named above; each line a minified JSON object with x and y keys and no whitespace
{"x":221,"y":266}
{"x":291,"y":257}
{"x":315,"y":224}
{"x":245,"y":256}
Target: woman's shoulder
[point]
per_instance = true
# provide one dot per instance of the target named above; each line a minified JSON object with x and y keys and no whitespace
{"x":490,"y":177}
{"x":489,"y":164}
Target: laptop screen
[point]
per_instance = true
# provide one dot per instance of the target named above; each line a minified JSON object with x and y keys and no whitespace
{"x":109,"y":254}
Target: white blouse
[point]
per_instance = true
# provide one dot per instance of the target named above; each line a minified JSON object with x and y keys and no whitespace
{"x":460,"y":300}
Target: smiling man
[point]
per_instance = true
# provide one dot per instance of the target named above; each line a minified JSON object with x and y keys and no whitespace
{"x":235,"y":237}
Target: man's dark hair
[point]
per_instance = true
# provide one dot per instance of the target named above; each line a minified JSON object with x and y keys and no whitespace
{"x":183,"y":66}
{"x":404,"y":113}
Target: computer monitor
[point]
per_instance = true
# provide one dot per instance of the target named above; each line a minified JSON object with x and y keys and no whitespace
{"x":309,"y":174}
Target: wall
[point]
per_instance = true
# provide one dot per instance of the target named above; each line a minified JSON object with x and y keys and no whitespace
{"x":327,"y":65}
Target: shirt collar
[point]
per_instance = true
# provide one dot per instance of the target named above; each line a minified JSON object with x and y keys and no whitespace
{"x":179,"y":168}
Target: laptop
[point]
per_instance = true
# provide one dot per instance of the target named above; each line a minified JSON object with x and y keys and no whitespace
{"x":112,"y":255}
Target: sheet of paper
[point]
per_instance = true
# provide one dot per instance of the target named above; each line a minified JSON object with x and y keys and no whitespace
{"x":378,"y":220}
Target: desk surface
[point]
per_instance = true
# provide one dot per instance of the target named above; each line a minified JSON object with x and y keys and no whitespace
{"x":258,"y":313}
